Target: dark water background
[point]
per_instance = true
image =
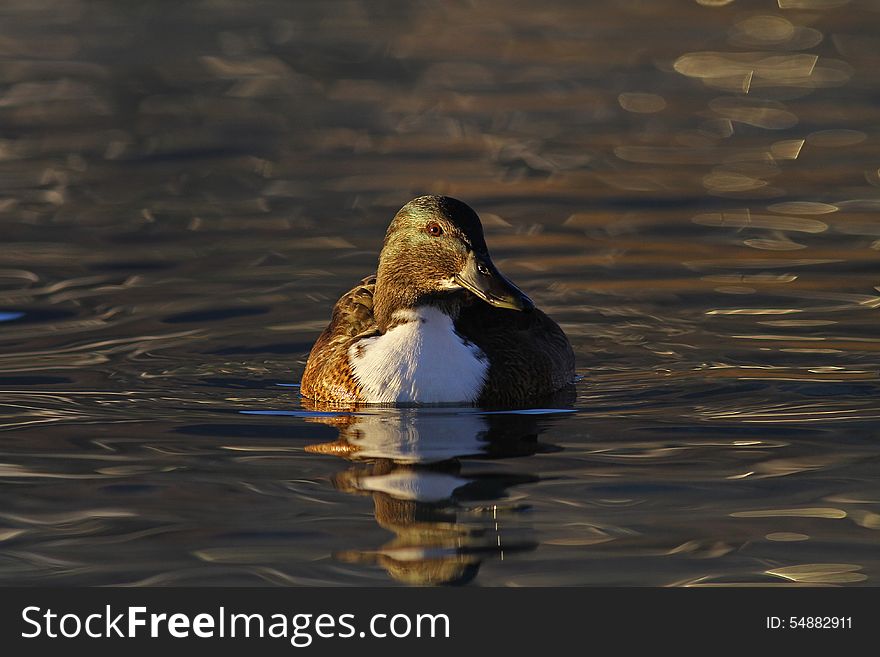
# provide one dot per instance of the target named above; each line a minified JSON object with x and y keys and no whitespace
{"x":690,"y":188}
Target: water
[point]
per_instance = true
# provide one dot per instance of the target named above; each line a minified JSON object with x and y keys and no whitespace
{"x":185,"y":190}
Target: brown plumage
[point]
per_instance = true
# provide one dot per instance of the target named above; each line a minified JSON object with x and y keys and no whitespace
{"x":328,"y":376}
{"x":435,"y":256}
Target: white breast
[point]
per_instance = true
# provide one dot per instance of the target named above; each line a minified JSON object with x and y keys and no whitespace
{"x":421,"y":361}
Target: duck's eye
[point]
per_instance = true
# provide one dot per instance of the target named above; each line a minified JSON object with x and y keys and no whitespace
{"x":434,"y":229}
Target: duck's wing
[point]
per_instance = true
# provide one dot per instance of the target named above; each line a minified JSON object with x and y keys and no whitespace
{"x":529,"y":355}
{"x":328,"y":374}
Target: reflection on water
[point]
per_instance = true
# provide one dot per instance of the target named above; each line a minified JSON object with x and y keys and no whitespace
{"x":696,"y":206}
{"x":445,"y":521}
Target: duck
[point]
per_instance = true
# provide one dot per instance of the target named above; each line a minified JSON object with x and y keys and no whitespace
{"x":437,"y":324}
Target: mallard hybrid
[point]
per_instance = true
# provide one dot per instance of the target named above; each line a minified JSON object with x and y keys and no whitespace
{"x":437,"y":324}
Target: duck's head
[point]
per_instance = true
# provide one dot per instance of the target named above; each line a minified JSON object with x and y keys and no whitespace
{"x":434,"y":249}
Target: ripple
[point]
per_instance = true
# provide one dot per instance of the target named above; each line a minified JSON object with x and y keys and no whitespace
{"x":786,"y":537}
{"x":787,"y":149}
{"x":761,"y":114}
{"x":811,"y":4}
{"x":803,"y":207}
{"x":726,"y":342}
{"x":746,"y":219}
{"x":765,"y":65}
{"x":812,"y":512}
{"x":641,"y":103}
{"x":836,"y":138}
{"x":821,"y":573}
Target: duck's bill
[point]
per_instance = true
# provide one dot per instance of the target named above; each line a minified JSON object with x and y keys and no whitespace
{"x":481,"y":277}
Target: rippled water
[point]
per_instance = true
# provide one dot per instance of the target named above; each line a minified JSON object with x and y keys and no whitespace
{"x":690,"y":188}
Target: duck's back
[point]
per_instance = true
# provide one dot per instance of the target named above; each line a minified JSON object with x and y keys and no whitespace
{"x":328,"y":375}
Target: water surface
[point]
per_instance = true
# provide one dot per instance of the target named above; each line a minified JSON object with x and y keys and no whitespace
{"x":689,"y":188}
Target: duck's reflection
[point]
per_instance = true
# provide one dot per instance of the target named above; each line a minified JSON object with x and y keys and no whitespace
{"x":447,"y":516}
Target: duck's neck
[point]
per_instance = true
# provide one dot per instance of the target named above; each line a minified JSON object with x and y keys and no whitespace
{"x":394,"y":293}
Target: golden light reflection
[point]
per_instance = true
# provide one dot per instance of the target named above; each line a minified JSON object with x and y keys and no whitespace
{"x":766,"y":28}
{"x":836,"y":138}
{"x":808,"y":512}
{"x":787,"y":149}
{"x":641,"y":103}
{"x":746,"y":219}
{"x":770,"y":115}
{"x":729,"y":181}
{"x":786,"y":537}
{"x":803,"y":207}
{"x":779,"y":69}
{"x":866,"y":519}
{"x":811,"y":4}
{"x":821,"y":573}
{"x":773,"y":244}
